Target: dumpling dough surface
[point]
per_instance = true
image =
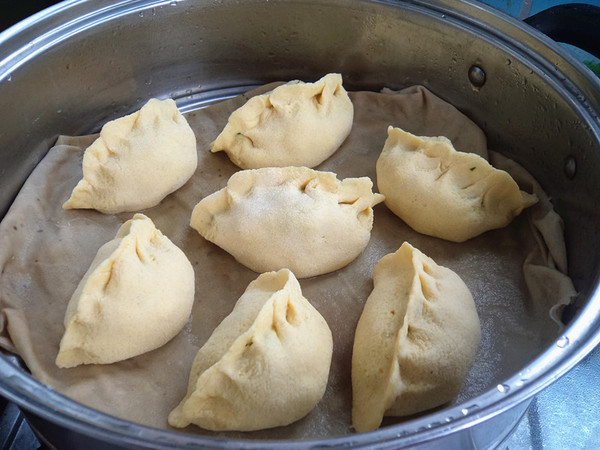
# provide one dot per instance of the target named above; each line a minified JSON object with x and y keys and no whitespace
{"x":296,"y":124}
{"x":135,"y":297}
{"x":415,"y":340}
{"x":441,"y":192}
{"x":265,"y":365}
{"x":289,"y":217}
{"x":137,"y":161}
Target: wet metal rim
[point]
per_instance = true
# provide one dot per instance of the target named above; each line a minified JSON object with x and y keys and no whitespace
{"x":576,"y":342}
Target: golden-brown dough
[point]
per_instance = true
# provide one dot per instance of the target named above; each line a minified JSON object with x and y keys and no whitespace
{"x":289,"y":217}
{"x":296,"y":124}
{"x":445,"y":193}
{"x":137,"y":161}
{"x":265,"y":365}
{"x":135,"y":297}
{"x":415,"y":340}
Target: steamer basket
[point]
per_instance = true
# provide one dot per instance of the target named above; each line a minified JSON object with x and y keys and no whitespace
{"x":78,"y":64}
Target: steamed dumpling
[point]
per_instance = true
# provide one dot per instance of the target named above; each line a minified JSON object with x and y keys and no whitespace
{"x":135,"y":297}
{"x":415,"y":340}
{"x":296,"y":124}
{"x":137,"y":161}
{"x":289,"y":217}
{"x":445,"y":193}
{"x":265,"y":365}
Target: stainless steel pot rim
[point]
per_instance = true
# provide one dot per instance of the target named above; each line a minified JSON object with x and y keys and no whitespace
{"x":48,"y":404}
{"x":578,"y":339}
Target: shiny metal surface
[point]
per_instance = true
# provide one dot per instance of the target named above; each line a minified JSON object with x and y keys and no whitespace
{"x":97,"y":61}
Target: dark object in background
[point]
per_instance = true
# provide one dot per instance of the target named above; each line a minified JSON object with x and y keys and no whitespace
{"x":575,"y":23}
{"x":15,"y":432}
{"x":12,"y":11}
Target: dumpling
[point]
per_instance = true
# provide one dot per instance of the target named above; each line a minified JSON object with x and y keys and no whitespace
{"x":289,"y":217}
{"x":135,"y":297}
{"x":415,"y":340}
{"x":296,"y":124}
{"x":137,"y":161}
{"x":265,"y":365}
{"x":445,"y":193}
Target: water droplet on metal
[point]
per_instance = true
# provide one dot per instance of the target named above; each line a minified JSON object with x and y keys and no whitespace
{"x":504,"y":388}
{"x":141,"y":13}
{"x":562,"y":342}
{"x":508,"y":62}
{"x":477,"y":76}
{"x":469,"y":409}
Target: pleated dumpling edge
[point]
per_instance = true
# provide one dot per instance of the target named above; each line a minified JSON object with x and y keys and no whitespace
{"x":296,"y":124}
{"x":442,"y":192}
{"x":136,"y":296}
{"x":415,"y":340}
{"x":265,"y":365}
{"x":137,"y":161}
{"x":289,"y":217}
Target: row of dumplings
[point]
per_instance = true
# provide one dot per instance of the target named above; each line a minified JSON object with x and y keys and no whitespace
{"x":419,"y":330}
{"x":267,"y":363}
{"x":140,"y":159}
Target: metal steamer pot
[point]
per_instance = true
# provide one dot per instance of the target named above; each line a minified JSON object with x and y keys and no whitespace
{"x":78,"y":64}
